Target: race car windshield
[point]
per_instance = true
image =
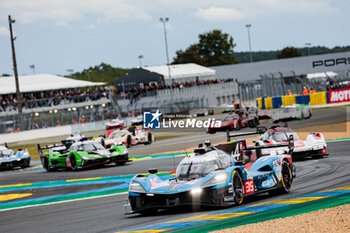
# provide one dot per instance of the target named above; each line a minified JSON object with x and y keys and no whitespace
{"x":287,"y":110}
{"x":116,"y":134}
{"x":230,"y":117}
{"x":88,"y":147}
{"x":112,"y":127}
{"x":4,"y":153}
{"x":281,"y":136}
{"x":195,"y":170}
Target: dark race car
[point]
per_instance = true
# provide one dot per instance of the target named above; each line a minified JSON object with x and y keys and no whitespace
{"x":220,"y":175}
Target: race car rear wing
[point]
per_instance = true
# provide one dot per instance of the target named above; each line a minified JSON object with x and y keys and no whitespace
{"x":259,"y":130}
{"x":65,"y":143}
{"x":290,"y":145}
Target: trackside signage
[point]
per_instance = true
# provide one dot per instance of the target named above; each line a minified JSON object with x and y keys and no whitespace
{"x":339,"y":96}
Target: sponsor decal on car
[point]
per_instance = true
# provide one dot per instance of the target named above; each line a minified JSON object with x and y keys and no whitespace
{"x":248,"y":186}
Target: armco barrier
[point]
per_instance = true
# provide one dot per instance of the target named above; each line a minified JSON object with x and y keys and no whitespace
{"x":276,"y":101}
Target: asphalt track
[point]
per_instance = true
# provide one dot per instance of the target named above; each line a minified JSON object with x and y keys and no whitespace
{"x":106,"y":214}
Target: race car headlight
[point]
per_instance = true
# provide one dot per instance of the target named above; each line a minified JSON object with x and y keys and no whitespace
{"x":217,"y":179}
{"x":196,"y":191}
{"x":136,"y":187}
{"x":84,"y":157}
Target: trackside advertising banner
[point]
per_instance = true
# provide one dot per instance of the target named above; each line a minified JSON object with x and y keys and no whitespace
{"x":339,"y":96}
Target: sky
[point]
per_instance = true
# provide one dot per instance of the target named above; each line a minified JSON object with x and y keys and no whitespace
{"x":59,"y":35}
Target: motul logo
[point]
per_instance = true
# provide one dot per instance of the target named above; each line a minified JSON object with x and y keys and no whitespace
{"x":339,"y":96}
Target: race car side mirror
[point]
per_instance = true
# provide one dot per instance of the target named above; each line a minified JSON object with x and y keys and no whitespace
{"x":153,"y":171}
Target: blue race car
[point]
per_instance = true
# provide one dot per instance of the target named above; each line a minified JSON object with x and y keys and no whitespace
{"x":220,"y":175}
{"x":9,"y":159}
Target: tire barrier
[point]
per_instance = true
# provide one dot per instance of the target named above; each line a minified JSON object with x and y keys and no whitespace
{"x":302,"y":99}
{"x":268,"y":103}
{"x":288,"y":100}
{"x":276,"y":102}
{"x":318,"y":98}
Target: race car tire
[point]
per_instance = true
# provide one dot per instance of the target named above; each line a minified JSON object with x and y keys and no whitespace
{"x":257,"y":122}
{"x":46,"y":164}
{"x":119,"y":163}
{"x":237,"y":185}
{"x":128,"y":142}
{"x":103,"y":143}
{"x":149,"y":139}
{"x":149,"y":212}
{"x":73,"y":162}
{"x":286,"y":178}
{"x":239,"y":126}
{"x":252,"y":123}
{"x":25,"y":163}
{"x":211,"y":131}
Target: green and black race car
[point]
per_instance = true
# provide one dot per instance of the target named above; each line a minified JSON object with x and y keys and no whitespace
{"x":81,"y":154}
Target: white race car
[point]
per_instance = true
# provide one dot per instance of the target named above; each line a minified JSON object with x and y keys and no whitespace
{"x":314,"y":145}
{"x":292,"y":112}
{"x":129,"y":137}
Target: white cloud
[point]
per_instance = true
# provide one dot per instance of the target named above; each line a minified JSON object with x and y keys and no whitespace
{"x":4,"y":31}
{"x":63,"y":12}
{"x":219,"y":14}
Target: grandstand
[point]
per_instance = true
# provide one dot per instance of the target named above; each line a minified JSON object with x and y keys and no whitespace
{"x":50,"y":100}
{"x":47,"y":91}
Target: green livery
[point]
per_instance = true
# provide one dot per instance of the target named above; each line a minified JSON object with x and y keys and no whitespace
{"x":81,"y":154}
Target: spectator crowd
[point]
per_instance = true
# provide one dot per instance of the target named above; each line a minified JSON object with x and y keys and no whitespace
{"x":133,"y":93}
{"x":331,"y":85}
{"x":51,"y":98}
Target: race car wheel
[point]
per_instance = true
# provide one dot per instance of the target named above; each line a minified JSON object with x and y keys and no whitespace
{"x":73,"y":162}
{"x":46,"y":164}
{"x":252,"y":123}
{"x":211,"y":131}
{"x":149,"y":212}
{"x":128,"y":142}
{"x":286,"y":178}
{"x":149,"y":138}
{"x":239,"y":125}
{"x":25,"y":163}
{"x":237,"y":185}
{"x":257,"y":122}
{"x":103,"y":143}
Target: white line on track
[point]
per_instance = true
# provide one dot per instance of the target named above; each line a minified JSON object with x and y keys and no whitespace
{"x":66,"y":201}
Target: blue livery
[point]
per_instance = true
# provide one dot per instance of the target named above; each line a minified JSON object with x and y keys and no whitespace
{"x":9,"y":159}
{"x":220,"y":175}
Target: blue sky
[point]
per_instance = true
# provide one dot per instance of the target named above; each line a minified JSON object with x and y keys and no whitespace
{"x":57,"y":35}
